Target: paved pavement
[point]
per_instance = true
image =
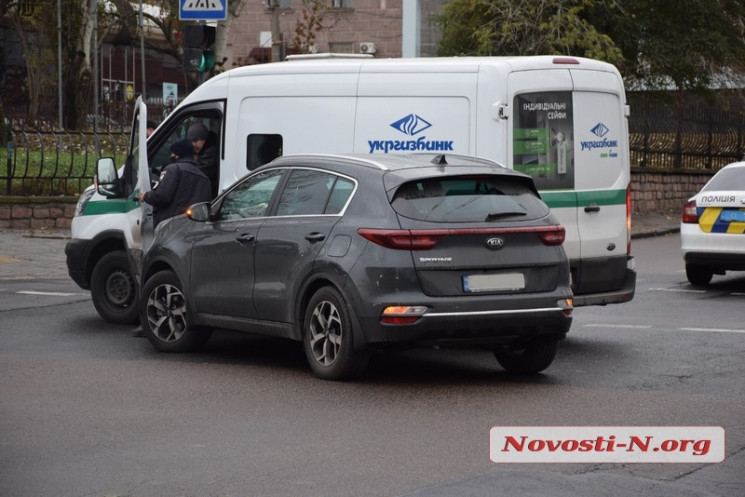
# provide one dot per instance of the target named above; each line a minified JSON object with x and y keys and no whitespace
{"x":35,"y":254}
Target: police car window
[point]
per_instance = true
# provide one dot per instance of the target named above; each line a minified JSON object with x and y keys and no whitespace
{"x":306,"y":193}
{"x":727,"y":180}
{"x":250,"y":198}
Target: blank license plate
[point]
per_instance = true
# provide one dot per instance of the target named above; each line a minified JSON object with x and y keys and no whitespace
{"x":730,"y":216}
{"x":493,"y":282}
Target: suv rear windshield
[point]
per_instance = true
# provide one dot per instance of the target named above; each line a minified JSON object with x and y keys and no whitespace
{"x":468,"y":199}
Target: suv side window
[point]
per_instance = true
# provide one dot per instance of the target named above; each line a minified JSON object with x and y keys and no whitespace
{"x":306,"y":193}
{"x":250,"y":198}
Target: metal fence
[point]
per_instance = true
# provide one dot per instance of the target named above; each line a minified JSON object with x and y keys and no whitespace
{"x":696,"y":139}
{"x":52,"y":163}
{"x":693,"y":139}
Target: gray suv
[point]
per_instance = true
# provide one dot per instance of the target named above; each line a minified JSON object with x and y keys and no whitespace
{"x":349,"y":254}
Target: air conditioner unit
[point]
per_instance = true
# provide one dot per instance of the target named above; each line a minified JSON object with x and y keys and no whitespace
{"x":368,"y":47}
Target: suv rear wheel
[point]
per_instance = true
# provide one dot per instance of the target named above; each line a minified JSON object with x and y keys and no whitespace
{"x":114,"y":289}
{"x":165,"y":318}
{"x":527,"y":358}
{"x":327,"y":338}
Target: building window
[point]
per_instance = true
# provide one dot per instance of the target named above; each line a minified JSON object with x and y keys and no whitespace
{"x":341,"y":47}
{"x":341,"y":4}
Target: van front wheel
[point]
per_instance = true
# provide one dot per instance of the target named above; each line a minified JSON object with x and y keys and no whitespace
{"x":114,"y":289}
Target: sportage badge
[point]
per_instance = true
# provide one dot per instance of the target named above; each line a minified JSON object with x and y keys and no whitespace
{"x":495,"y":243}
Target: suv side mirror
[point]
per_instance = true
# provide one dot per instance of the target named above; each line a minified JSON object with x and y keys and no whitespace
{"x":199,"y":212}
{"x":106,"y":180}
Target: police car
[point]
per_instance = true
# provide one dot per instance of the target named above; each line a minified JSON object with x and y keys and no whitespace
{"x":712,"y":228}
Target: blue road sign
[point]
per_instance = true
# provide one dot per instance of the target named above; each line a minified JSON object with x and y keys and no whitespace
{"x":203,"y":10}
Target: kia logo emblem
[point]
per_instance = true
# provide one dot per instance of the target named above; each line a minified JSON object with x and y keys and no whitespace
{"x":495,"y":243}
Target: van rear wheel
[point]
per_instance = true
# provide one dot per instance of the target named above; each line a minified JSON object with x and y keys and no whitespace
{"x":114,"y":289}
{"x":527,"y":358}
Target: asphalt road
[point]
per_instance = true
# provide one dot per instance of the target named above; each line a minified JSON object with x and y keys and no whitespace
{"x":89,"y":409}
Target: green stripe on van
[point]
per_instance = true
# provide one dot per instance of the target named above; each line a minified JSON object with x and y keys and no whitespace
{"x":110,"y":206}
{"x":574,"y":199}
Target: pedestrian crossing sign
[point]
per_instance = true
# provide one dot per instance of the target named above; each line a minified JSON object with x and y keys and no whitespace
{"x":203,"y":10}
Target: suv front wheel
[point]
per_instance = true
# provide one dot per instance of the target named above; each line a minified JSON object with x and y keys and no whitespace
{"x":165,"y":318}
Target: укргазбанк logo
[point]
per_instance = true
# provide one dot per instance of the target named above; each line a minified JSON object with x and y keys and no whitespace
{"x":410,"y":125}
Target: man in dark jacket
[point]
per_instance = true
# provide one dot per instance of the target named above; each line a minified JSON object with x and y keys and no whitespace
{"x":181,"y":184}
{"x":205,"y":150}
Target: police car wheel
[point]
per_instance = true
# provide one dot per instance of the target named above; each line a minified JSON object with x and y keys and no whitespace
{"x":698,"y":275}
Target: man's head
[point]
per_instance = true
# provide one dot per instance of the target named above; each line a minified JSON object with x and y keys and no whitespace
{"x":198,"y":134}
{"x":151,"y":125}
{"x":182,"y":148}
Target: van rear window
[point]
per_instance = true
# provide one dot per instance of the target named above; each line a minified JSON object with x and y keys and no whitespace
{"x":467,"y":199}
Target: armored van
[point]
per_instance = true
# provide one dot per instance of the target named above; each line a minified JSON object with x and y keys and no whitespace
{"x":562,"y":120}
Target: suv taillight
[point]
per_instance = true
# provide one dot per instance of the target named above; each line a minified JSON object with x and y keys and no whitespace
{"x":690,"y":212}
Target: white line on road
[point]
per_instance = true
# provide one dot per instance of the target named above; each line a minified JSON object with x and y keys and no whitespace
{"x":633,"y":326}
{"x":713,"y":330}
{"x":680,"y":290}
{"x":49,"y":294}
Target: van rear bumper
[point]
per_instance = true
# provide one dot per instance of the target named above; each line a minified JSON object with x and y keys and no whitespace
{"x":609,"y":281}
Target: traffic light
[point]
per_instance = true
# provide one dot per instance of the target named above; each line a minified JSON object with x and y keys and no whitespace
{"x":198,"y":53}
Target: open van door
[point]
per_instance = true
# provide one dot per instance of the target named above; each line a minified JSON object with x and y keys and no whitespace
{"x":141,"y":171}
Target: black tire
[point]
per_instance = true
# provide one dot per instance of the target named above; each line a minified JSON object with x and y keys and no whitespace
{"x":528,"y":358}
{"x":328,"y":338}
{"x":114,"y":289}
{"x":164,"y":316}
{"x":698,"y":275}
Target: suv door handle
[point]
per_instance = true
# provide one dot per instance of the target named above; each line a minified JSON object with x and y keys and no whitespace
{"x":315,"y":237}
{"x":245,"y":238}
{"x":592,"y":208}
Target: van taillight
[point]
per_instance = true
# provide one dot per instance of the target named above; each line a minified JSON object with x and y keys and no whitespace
{"x":690,"y":212}
{"x":628,"y":219}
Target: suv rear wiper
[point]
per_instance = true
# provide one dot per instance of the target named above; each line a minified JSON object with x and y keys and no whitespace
{"x":493,"y":216}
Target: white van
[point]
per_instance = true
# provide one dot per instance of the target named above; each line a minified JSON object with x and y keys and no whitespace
{"x":563,"y":120}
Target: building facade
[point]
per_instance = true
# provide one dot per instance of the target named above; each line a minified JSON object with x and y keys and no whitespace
{"x":381,"y":28}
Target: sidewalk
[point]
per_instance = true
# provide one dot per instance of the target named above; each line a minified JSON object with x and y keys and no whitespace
{"x":36,"y":254}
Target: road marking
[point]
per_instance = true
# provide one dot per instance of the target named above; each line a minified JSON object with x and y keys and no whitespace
{"x":632,"y":326}
{"x":713,"y":330}
{"x":48,"y":294}
{"x":679,"y":290}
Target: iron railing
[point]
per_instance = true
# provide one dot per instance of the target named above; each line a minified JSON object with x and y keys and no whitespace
{"x":690,"y":140}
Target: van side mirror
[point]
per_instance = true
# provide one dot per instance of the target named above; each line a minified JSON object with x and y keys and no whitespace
{"x":199,"y":212}
{"x":106,"y":179}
